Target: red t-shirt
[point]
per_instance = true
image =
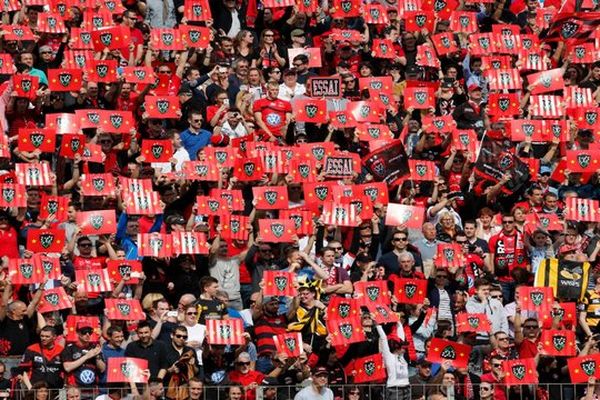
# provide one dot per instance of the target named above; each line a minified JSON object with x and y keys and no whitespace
{"x":528,"y":349}
{"x":88,"y":263}
{"x":9,"y":245}
{"x":246,"y":379}
{"x":499,"y":387}
{"x":273,"y":113}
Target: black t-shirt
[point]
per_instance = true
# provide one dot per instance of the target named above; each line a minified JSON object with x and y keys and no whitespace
{"x":210,"y":309}
{"x":46,"y":365}
{"x":86,"y":375}
{"x":156,"y":354}
{"x":17,"y":334}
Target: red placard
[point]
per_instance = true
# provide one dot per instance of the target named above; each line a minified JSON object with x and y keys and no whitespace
{"x":26,"y":85}
{"x":234,"y":226}
{"x":197,"y":10}
{"x":419,"y":98}
{"x":377,"y":192}
{"x":81,"y":39}
{"x":12,"y":195}
{"x":111,"y":37}
{"x":277,"y":230}
{"x":65,"y":80}
{"x":98,"y":185}
{"x":18,"y":33}
{"x":225,"y":332}
{"x":155,"y":245}
{"x":449,"y":255}
{"x":144,"y":75}
{"x":104,"y":71}
{"x":444,"y":43}
{"x":422,"y":170}
{"x":189,"y":243}
{"x":303,"y":220}
{"x":368,"y":369}
{"x":99,"y":222}
{"x":271,"y":197}
{"x":142,"y":203}
{"x":546,"y":81}
{"x":536,"y":299}
{"x":155,"y":150}
{"x":114,"y":121}
{"x":279,"y":283}
{"x":34,"y":174}
{"x":409,"y":216}
{"x":126,"y":369}
{"x":249,"y":169}
{"x":586,"y":210}
{"x":50,"y":22}
{"x":559,"y":343}
{"x":234,"y":198}
{"x":583,"y":368}
{"x":53,"y":300}
{"x":93,"y":281}
{"x":23,"y":271}
{"x":441,"y":350}
{"x":310,"y":110}
{"x":520,"y":372}
{"x":54,"y":205}
{"x":289,"y":343}
{"x":376,"y":14}
{"x":201,"y":171}
{"x":410,"y":291}
{"x":45,"y":240}
{"x":124,"y":310}
{"x":463,"y":21}
{"x":467,"y":322}
{"x":166,"y":39}
{"x":339,"y":214}
{"x":195,"y":36}
{"x":43,"y":140}
{"x":50,"y":266}
{"x":372,"y":292}
{"x":63,"y":123}
{"x":118,"y":269}
{"x":162,"y":107}
{"x":345,"y":331}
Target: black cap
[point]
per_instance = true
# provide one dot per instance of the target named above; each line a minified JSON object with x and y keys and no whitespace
{"x":320,"y":370}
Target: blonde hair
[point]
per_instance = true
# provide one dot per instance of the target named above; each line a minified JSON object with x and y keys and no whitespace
{"x":149,"y":299}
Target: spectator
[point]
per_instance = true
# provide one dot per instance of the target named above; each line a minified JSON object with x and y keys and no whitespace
{"x":318,"y":386}
{"x":148,"y":348}
{"x":43,"y":360}
{"x":82,"y":360}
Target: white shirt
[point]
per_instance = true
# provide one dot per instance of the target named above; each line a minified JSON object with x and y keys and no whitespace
{"x":181,"y":155}
{"x":235,"y":24}
{"x":233,"y":133}
{"x":286,"y":93}
{"x":395,"y":365}
{"x":197,"y":333}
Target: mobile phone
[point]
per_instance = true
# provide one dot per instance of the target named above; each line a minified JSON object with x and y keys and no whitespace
{"x":226,"y":102}
{"x":172,"y":314}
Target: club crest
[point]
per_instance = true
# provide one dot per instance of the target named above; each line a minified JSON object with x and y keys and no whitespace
{"x":369,"y":367}
{"x":116,"y":120}
{"x":26,"y":270}
{"x":311,"y":110}
{"x":559,"y":342}
{"x":46,"y":240}
{"x":277,"y":229}
{"x":271,"y":197}
{"x":583,"y":160}
{"x":449,"y":353}
{"x":102,"y":70}
{"x":37,"y":139}
{"x":281,"y":283}
{"x":589,"y":367}
{"x":518,"y":371}
{"x":106,"y":38}
{"x":52,"y":299}
{"x":65,"y":79}
{"x":98,"y":184}
{"x":162,"y":106}
{"x":97,"y":221}
{"x":249,"y":168}
{"x":569,"y":29}
{"x":346,"y":330}
{"x":8,"y":194}
{"x":537,"y":298}
{"x":322,"y":192}
{"x":157,"y":150}
{"x":410,"y":289}
{"x":124,"y":269}
{"x":124,"y":308}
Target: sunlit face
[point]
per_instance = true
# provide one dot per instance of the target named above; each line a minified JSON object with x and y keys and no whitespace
{"x":195,"y":389}
{"x":235,"y":393}
{"x":47,"y":338}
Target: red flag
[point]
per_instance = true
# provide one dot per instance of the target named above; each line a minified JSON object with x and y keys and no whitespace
{"x":372,"y":292}
{"x":546,"y":106}
{"x":208,"y":205}
{"x":345,"y":9}
{"x":155,"y":150}
{"x":341,"y":119}
{"x":441,"y":350}
{"x":588,"y":118}
{"x":556,"y":129}
{"x":339,"y":214}
{"x":234,"y":226}
{"x":481,"y":44}
{"x":400,"y":214}
{"x":586,"y":210}
{"x":117,"y":269}
{"x":583,"y":160}
{"x":271,"y":197}
{"x":139,"y":75}
{"x":22,"y":271}
{"x":72,"y":144}
{"x":81,"y":39}
{"x":422,"y":170}
{"x":303,"y":220}
{"x":65,"y":80}
{"x":318,"y":151}
{"x":315,"y":194}
{"x":189,"y":243}
{"x":274,"y":161}
{"x":277,"y":230}
{"x":410,"y":291}
{"x":279,"y":283}
{"x":369,"y":369}
{"x":559,"y":342}
{"x":201,"y":171}
{"x":98,"y":185}
{"x":444,"y":43}
{"x":93,"y":281}
{"x":463,"y":21}
{"x":92,"y":153}
{"x":124,"y":310}
{"x":224,"y":332}
{"x":536,"y":298}
{"x":415,"y":21}
{"x":13,"y":195}
{"x":426,"y":56}
{"x":449,"y":255}
{"x":310,"y":110}
{"x":26,"y":85}
{"x":532,"y":61}
{"x":142,"y":203}
{"x":376,"y":84}
{"x":368,"y":132}
{"x":157,"y":245}
{"x":45,"y":240}
{"x":289,"y":343}
{"x":248,"y":169}
{"x":111,"y":37}
{"x":197,"y":10}
{"x":504,"y":105}
{"x":503,"y":79}
{"x":342,"y":307}
{"x":161,"y":107}
{"x":166,"y":39}
{"x":383,"y":48}
{"x":18,"y":33}
{"x":466,"y":322}
{"x":303,"y":170}
{"x":53,"y":300}
{"x":377,"y":192}
{"x":49,"y":22}
{"x":43,"y":140}
{"x":583,"y":368}
{"x":195,"y":36}
{"x":584,"y":53}
{"x":126,"y":369}
{"x":99,"y":222}
{"x":546,"y":81}
{"x":345,"y":331}
{"x":56,"y":205}
{"x":104,"y":71}
{"x":576,"y":96}
{"x":419,"y":97}
{"x":114,"y":121}
{"x":382,"y":313}
{"x":520,"y":372}
{"x":375,"y":13}
{"x":49,"y":266}
{"x":89,"y":118}
{"x":522,"y":128}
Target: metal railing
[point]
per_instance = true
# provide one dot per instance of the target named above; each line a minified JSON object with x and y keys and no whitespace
{"x":552,"y":391}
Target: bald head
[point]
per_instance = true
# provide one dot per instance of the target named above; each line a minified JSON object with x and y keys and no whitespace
{"x":17,"y":310}
{"x":428,"y":230}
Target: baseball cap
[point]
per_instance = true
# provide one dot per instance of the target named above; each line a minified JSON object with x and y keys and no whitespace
{"x":544,"y":169}
{"x":297,"y":32}
{"x":268,"y":299}
{"x":424,"y":363}
{"x":83,"y":325}
{"x":473,"y":86}
{"x":45,"y":49}
{"x":542,"y":231}
{"x":320,"y":371}
{"x":185,"y":89}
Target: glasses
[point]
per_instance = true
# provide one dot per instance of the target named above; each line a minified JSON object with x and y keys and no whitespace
{"x":191,"y":313}
{"x":485,"y":388}
{"x":442,"y":276}
{"x":269,"y":35}
{"x":164,"y":72}
{"x":503,"y":339}
{"x":508,"y":222}
{"x":402,"y":239}
{"x":85,"y":332}
{"x":181,"y":336}
{"x":196,"y":121}
{"x":497,"y":296}
{"x":336,"y":248}
{"x":243,"y":363}
{"x":496,"y":365}
{"x":530,"y":326}
{"x":85,"y":245}
{"x":45,"y":52}
{"x":298,"y":64}
{"x":461,"y":242}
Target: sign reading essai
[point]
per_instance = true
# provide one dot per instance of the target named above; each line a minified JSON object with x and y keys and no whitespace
{"x":325,"y":87}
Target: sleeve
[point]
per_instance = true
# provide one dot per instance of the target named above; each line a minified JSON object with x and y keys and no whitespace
{"x":257,"y":106}
{"x":66,"y":355}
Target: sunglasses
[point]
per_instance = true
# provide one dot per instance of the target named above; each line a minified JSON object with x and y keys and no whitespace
{"x":191,"y":313}
{"x":400,"y":239}
{"x":241,"y":363}
{"x":498,"y":296}
{"x":503,"y":339}
{"x":496,"y":365}
{"x":336,"y":248}
{"x":85,"y":245}
{"x":87,"y":331}
{"x":508,"y":222}
{"x":181,"y":336}
{"x":530,"y":327}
